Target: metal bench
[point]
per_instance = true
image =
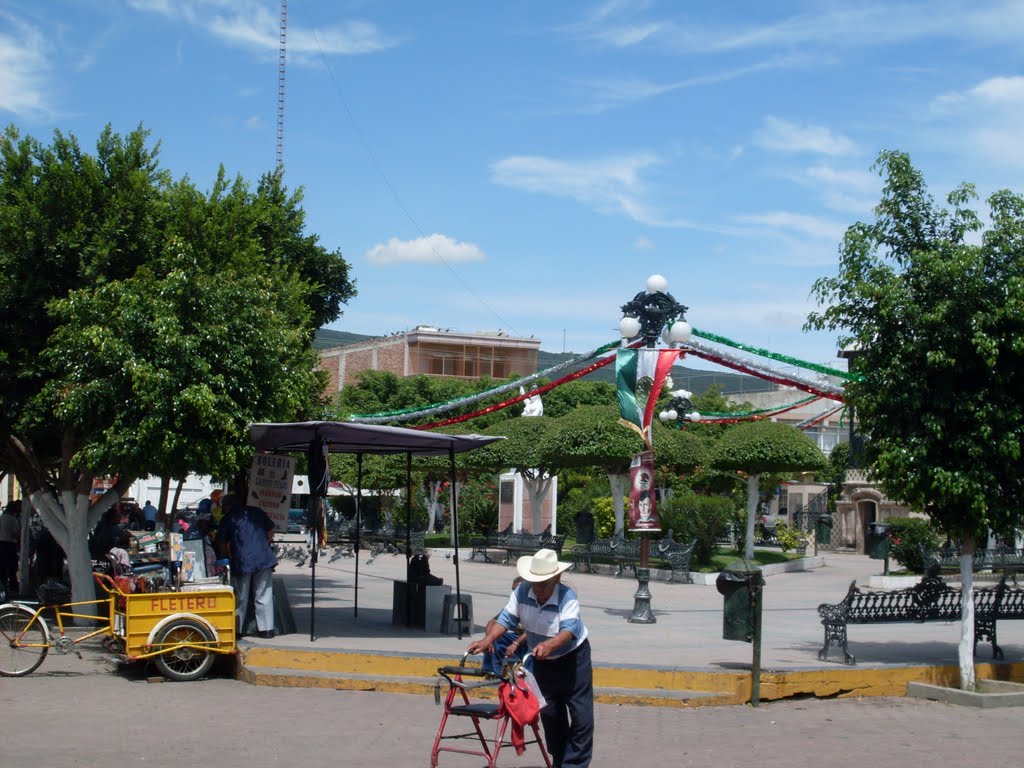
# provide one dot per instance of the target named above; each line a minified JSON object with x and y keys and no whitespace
{"x":624,"y":553}
{"x":929,"y":600}
{"x":676,"y":556}
{"x":490,"y":540}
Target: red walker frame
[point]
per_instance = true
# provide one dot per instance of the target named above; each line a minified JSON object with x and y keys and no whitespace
{"x":480,"y":710}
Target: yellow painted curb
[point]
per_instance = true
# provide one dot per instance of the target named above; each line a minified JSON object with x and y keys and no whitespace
{"x":640,"y":686}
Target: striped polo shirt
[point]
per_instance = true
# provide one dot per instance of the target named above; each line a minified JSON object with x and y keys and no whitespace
{"x":541,"y":622}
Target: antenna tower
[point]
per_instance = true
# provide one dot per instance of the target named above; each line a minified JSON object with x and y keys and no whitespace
{"x":280,"y":83}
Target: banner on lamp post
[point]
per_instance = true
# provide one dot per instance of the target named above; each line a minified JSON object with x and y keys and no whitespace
{"x":643,"y":513}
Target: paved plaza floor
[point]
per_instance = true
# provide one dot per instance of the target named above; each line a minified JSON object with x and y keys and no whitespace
{"x":78,"y":714}
{"x":687,"y":633}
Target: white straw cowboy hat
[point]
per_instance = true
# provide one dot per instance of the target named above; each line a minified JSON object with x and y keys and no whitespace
{"x":541,"y":566}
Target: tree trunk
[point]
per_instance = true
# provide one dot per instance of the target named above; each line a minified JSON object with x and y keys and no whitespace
{"x":966,"y":649}
{"x":25,"y":549}
{"x":165,"y":487}
{"x":753,"y":495}
{"x":432,"y":492}
{"x":537,"y":488}
{"x":620,"y":485}
{"x":177,"y":495}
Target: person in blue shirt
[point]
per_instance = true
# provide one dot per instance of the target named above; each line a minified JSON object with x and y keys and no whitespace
{"x":549,"y":611}
{"x":245,"y":536}
{"x":511,"y":644}
{"x":149,"y":516}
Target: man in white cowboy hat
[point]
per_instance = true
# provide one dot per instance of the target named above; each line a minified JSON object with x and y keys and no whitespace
{"x":549,"y":611}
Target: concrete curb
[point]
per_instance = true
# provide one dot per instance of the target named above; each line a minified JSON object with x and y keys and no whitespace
{"x":618,"y":684}
{"x":990,"y":694}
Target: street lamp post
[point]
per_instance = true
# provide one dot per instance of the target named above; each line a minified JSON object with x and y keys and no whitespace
{"x":651,"y":314}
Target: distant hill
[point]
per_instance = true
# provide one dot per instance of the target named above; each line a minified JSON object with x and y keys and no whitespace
{"x":695,"y":380}
{"x":324,"y":338}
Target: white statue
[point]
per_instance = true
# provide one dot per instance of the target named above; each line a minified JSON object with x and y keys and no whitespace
{"x":532,"y":406}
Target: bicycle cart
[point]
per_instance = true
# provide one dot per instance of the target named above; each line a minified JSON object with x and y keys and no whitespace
{"x":181,"y":632}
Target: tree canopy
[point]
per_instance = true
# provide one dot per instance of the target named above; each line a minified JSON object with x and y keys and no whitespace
{"x":937,"y":316}
{"x":146,"y":322}
{"x":938,"y":323}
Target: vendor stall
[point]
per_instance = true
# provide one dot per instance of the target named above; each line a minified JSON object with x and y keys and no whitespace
{"x":319,"y":438}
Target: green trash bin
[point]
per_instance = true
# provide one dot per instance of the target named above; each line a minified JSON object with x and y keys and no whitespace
{"x":823,"y":529}
{"x":741,"y":609}
{"x":878,"y":541}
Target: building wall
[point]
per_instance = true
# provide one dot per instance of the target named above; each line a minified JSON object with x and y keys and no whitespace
{"x":431,"y":352}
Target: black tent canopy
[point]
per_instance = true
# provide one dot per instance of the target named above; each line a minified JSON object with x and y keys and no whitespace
{"x":318,"y":438}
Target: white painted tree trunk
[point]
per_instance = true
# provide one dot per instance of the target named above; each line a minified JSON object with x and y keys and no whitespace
{"x":70,"y":518}
{"x":620,"y":485}
{"x":753,"y":483}
{"x":537,"y":486}
{"x":966,"y":648}
{"x":432,"y":494}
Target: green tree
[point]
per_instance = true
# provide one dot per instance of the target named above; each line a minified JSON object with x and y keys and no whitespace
{"x":149,"y":323}
{"x":521,"y":450}
{"x":759,"y":447}
{"x":938,"y":315}
{"x":591,"y":436}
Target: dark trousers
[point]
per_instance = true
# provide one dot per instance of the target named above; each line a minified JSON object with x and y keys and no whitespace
{"x":568,"y":717}
{"x":9,"y":567}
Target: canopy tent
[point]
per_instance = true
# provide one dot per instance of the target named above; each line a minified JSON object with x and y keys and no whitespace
{"x":318,"y":438}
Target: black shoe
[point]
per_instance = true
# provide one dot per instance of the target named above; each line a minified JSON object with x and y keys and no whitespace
{"x":266,"y":634}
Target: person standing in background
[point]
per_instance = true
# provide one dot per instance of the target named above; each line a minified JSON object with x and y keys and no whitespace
{"x":149,"y":516}
{"x":245,"y":536}
{"x":10,"y":543}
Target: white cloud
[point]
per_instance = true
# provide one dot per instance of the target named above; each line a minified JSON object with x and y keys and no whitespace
{"x":434,"y":249}
{"x":799,"y":223}
{"x":253,"y":121}
{"x":643,"y":244}
{"x":783,"y":136}
{"x":609,"y":184}
{"x":610,"y":93}
{"x":824,"y":26}
{"x":24,"y":64}
{"x":985,"y":119}
{"x":255,"y":25}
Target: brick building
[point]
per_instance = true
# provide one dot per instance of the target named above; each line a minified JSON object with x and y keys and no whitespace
{"x":430,"y":351}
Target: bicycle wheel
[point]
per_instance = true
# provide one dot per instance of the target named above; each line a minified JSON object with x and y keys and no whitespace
{"x":184,"y":664}
{"x":23,"y":642}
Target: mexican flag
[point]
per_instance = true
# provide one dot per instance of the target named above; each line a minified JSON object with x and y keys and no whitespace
{"x":639,"y":377}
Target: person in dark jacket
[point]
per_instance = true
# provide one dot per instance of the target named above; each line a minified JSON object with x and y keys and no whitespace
{"x":245,"y":536}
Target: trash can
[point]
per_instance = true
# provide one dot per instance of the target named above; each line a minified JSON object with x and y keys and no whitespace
{"x":878,"y":541}
{"x":584,"y":527}
{"x":737,"y":583}
{"x":823,"y":529}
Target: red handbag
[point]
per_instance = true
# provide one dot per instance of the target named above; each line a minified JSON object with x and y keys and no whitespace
{"x":519,"y":703}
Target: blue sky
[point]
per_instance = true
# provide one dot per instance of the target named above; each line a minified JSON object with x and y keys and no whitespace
{"x":525,"y":166}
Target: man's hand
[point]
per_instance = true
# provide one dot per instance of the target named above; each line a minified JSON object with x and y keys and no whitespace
{"x":542,"y":650}
{"x":479,"y":646}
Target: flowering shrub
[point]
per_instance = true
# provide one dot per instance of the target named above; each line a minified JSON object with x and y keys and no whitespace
{"x":907,"y":536}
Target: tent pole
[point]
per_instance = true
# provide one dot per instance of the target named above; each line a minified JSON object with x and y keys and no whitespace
{"x":359,"y":525}
{"x":455,"y":531}
{"x":408,"y":540}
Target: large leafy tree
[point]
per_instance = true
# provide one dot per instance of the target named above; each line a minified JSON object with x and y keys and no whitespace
{"x":147,"y":322}
{"x":760,"y":447}
{"x":938,"y":316}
